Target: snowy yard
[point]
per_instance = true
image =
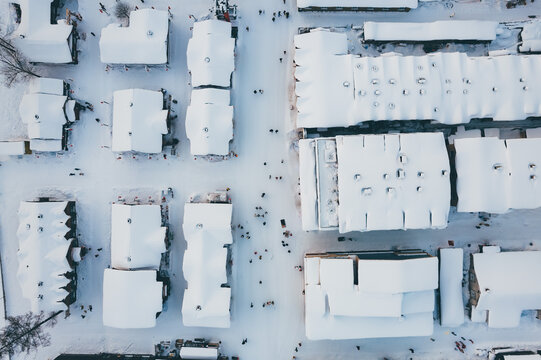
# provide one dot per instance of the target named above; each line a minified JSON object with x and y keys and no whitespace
{"x":264,"y":138}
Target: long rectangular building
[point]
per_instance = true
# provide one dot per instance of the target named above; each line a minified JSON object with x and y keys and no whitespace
{"x":337,"y":89}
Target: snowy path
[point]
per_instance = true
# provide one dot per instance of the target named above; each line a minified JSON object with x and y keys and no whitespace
{"x":273,"y":333}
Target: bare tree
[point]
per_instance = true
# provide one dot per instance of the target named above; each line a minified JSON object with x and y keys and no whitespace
{"x":122,"y":10}
{"x":13,"y":65}
{"x":24,"y":333}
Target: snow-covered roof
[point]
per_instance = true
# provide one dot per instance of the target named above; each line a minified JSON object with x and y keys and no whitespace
{"x":209,"y":122}
{"x":43,"y":254}
{"x":450,"y":88}
{"x":323,"y":96}
{"x":131,"y":299}
{"x":137,"y":237}
{"x":508,"y":284}
{"x":531,"y":37}
{"x":372,"y":4}
{"x":471,"y":30}
{"x":375,"y":182}
{"x":203,"y":353}
{"x":143,"y":42}
{"x":38,"y":39}
{"x":496,"y":175}
{"x":139,"y":121}
{"x":451,"y":301}
{"x":393,"y":298}
{"x":42,"y":109}
{"x":12,"y":147}
{"x":207,"y":229}
{"x":211,"y":53}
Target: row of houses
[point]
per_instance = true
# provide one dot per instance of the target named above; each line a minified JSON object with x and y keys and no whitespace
{"x":376,"y":294}
{"x":449,"y":88}
{"x":141,"y":117}
{"x":139,"y":245}
{"x":211,"y":62}
{"x":49,"y":253}
{"x":43,"y":38}
{"x":403,"y":181}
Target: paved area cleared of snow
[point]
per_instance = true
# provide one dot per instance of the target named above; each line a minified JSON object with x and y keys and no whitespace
{"x":266,"y":163}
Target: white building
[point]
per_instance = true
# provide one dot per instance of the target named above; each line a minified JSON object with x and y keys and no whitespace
{"x":211,"y":53}
{"x":207,"y":230}
{"x":46,"y":110}
{"x":47,"y":254}
{"x":531,"y":37}
{"x":458,"y":30}
{"x":131,"y":299}
{"x":137,"y":237}
{"x":496,"y":175}
{"x":38,"y":39}
{"x":139,"y":121}
{"x":450,"y":88}
{"x":374,"y":182}
{"x":144,"y":42}
{"x":369,"y":295}
{"x":355,"y":4}
{"x":209,"y":122}
{"x":503,"y":285}
{"x":13,"y":147}
{"x":451,"y":276}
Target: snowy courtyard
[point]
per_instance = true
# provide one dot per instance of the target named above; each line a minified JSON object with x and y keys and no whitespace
{"x":260,"y":176}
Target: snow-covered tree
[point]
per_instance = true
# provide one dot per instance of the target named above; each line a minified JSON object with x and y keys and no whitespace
{"x":13,"y":65}
{"x":122,"y":10}
{"x":25,"y":333}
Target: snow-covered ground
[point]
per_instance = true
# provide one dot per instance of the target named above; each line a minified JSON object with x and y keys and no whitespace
{"x":272,"y":332}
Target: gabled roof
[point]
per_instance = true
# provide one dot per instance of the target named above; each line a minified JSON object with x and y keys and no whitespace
{"x":386,"y":4}
{"x":42,"y":109}
{"x":209,"y":122}
{"x":139,"y":121}
{"x":531,"y":37}
{"x":143,"y":42}
{"x":374,"y":182}
{"x":207,"y":229}
{"x":508,"y":284}
{"x":37,"y":38}
{"x":392,"y":298}
{"x":43,"y":251}
{"x":131,"y":299}
{"x":496,"y":175}
{"x":210,"y":53}
{"x":137,"y":237}
{"x":450,"y":88}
